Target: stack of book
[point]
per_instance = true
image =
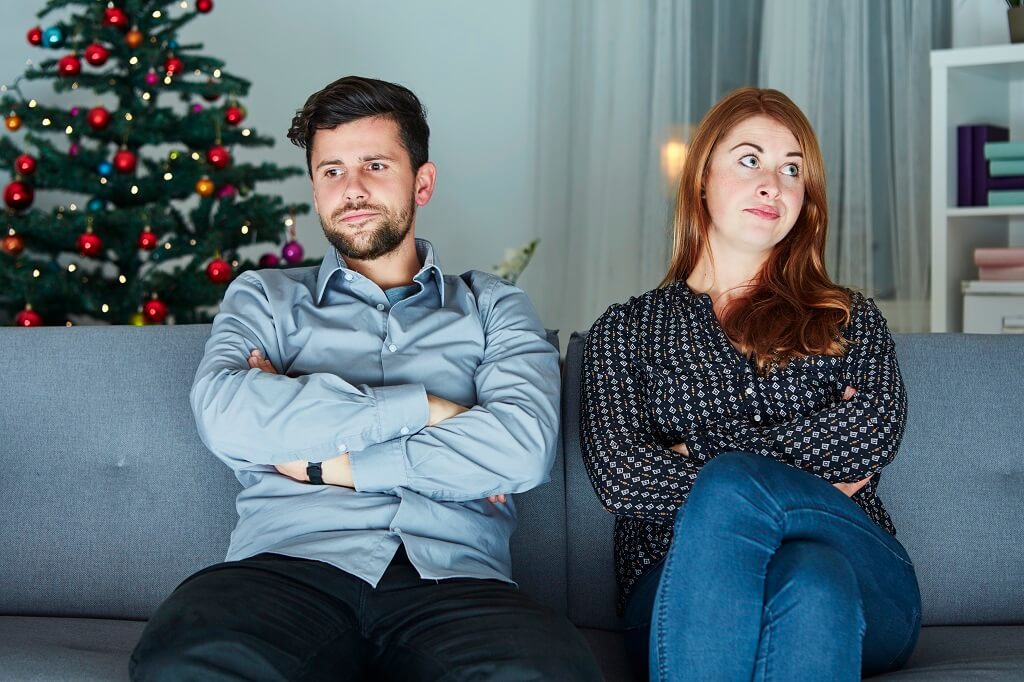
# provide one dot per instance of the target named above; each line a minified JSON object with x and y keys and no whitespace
{"x":979,"y":182}
{"x":1000,"y":264}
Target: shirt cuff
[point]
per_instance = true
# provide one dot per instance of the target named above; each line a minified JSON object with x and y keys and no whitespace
{"x":401,"y":410}
{"x":380,"y":468}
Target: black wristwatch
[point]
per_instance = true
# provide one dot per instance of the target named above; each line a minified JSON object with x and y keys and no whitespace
{"x":315,"y":473}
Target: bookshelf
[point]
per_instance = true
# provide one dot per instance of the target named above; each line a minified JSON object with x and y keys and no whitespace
{"x":969,"y":85}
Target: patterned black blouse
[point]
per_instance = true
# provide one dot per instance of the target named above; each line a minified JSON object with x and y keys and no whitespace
{"x":659,"y":370}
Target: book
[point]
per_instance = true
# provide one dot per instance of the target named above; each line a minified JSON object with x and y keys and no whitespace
{"x":1006,"y":197}
{"x":1004,"y":167}
{"x":982,"y":135}
{"x":1004,"y":150}
{"x":999,"y":257}
{"x":1010,"y":274}
{"x":1012,"y":182}
{"x":965,"y":166}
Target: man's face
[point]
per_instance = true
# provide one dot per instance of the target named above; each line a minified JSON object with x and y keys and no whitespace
{"x":364,"y":187}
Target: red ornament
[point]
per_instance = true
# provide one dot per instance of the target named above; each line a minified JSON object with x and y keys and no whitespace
{"x":18,"y":195}
{"x":234,"y":114}
{"x":115,"y":16}
{"x":147,"y":239}
{"x":125,"y":161}
{"x":268,"y":260}
{"x":96,"y":54}
{"x":13,"y":244}
{"x":98,"y":118}
{"x":219,"y":271}
{"x":155,"y":311}
{"x":218,"y":157}
{"x":28,"y":318}
{"x":204,"y":6}
{"x":173,"y":65}
{"x":35,"y":35}
{"x":89,"y":244}
{"x":69,"y":65}
{"x":25,"y":164}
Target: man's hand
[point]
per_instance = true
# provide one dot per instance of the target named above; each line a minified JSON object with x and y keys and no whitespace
{"x":440,"y":409}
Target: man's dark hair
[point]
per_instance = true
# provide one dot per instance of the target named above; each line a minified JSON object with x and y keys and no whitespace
{"x":354,"y":97}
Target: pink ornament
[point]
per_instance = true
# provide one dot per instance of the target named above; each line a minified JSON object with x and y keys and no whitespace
{"x":74,"y":149}
{"x":292,"y":252}
{"x":151,"y":77}
{"x":227,"y":190}
{"x":196,"y":108}
{"x":269,"y":260}
{"x":74,"y":111}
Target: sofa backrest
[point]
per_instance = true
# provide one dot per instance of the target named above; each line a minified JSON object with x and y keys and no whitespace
{"x":108,"y":499}
{"x":955,"y":490}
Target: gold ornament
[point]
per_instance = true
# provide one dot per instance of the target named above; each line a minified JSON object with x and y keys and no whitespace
{"x":13,"y":122}
{"x":138,"y":319}
{"x":204,"y":187}
{"x":133,"y":38}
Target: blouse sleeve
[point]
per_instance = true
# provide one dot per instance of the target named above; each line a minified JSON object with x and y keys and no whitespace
{"x":849,"y":440}
{"x":632,"y":475}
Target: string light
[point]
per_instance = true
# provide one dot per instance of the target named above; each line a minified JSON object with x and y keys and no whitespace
{"x":73,"y":207}
{"x":156,"y":14}
{"x":128,"y":116}
{"x":122,"y":279}
{"x":69,"y":130}
{"x":245,"y":229}
{"x":105,"y":308}
{"x":246,"y":132}
{"x":32,"y":104}
{"x":195,"y":156}
{"x":36,"y":273}
{"x":167,"y":79}
{"x":168,"y":176}
{"x":46,"y":121}
{"x":103,"y":181}
{"x":167,"y":246}
{"x":135,"y":189}
{"x":191,"y":242}
{"x":72,"y":267}
{"x":216,"y":73}
{"x":67,"y":323}
{"x":133,"y":61}
{"x":145,"y":96}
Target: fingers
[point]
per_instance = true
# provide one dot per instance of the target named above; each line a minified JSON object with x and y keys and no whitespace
{"x":849,"y":392}
{"x":496,"y":499}
{"x":681,"y":449}
{"x":257,"y":361}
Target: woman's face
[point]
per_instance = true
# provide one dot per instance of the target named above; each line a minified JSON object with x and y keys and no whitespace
{"x":754,"y":187}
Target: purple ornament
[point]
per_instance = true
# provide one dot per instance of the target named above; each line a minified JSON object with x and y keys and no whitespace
{"x":196,"y":108}
{"x":151,"y":77}
{"x":74,"y":111}
{"x":292,"y":252}
{"x":74,"y":149}
{"x":268,"y":260}
{"x":227,"y":190}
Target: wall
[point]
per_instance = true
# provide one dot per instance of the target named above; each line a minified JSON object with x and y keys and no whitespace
{"x":469,"y":62}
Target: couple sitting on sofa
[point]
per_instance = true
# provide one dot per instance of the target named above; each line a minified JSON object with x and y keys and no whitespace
{"x":379,"y":414}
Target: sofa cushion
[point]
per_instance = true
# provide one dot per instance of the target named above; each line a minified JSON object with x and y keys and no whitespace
{"x":109,"y":498}
{"x":943,"y":654}
{"x":81,"y":649}
{"x":954,"y":490}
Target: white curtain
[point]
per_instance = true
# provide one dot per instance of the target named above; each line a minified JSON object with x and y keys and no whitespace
{"x":615,"y":80}
{"x":860,"y":71}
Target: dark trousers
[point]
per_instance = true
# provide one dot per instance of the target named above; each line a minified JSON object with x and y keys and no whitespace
{"x":272,"y":617}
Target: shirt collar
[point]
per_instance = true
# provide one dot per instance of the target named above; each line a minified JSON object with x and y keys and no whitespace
{"x":430,"y":269}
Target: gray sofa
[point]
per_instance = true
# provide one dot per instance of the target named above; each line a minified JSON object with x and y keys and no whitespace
{"x":108,"y":499}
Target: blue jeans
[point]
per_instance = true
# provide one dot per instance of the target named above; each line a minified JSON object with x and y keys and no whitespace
{"x":774,"y":574}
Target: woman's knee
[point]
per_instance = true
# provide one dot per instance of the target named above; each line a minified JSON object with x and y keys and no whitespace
{"x":815,"y":582}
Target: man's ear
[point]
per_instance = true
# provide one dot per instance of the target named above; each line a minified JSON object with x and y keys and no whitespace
{"x":424,"y":183}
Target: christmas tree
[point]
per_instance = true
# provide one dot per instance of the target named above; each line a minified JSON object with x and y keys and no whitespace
{"x":151,"y":207}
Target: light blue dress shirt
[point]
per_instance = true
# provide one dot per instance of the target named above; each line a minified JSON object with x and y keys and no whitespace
{"x":355,"y":374}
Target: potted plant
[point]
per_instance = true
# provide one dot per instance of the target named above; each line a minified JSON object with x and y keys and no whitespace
{"x":1015,"y":16}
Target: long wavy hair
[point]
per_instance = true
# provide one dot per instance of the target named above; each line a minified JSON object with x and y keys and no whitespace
{"x":793,"y":309}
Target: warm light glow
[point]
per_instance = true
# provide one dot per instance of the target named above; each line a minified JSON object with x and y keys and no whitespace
{"x":69,"y":130}
{"x":245,"y":229}
{"x":128,"y":116}
{"x":156,"y":14}
{"x":133,"y":61}
{"x":46,"y":121}
{"x":36,"y":273}
{"x":145,"y":96}
{"x":246,"y":132}
{"x":168,"y":176}
{"x":122,"y":279}
{"x":32,"y":104}
{"x":72,"y":267}
{"x":167,"y":246}
{"x":105,"y":308}
{"x":216,"y":73}
{"x":135,"y":189}
{"x":673,"y":156}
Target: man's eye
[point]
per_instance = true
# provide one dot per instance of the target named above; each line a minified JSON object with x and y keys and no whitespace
{"x":332,"y":172}
{"x":750,"y":161}
{"x":376,"y":165}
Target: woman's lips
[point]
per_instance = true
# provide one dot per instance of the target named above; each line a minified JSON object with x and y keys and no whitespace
{"x":766,"y":213}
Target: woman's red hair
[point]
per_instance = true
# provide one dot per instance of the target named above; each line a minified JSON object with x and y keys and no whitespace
{"x":794,"y":309}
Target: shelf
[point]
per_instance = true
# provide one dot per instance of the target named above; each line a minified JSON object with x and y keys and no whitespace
{"x":985,"y":212}
{"x":988,"y":55}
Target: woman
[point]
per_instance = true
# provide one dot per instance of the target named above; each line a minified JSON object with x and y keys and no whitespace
{"x":751,"y":368}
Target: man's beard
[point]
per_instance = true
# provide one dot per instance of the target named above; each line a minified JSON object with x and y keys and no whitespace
{"x":391,"y":230}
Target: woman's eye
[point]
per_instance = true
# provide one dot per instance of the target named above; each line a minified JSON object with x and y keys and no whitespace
{"x":791,"y":169}
{"x":750,"y":161}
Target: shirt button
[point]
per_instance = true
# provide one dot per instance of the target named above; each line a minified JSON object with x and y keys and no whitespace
{"x":757,"y":417}
{"x":380,"y":306}
{"x":392,"y":348}
{"x":404,"y":430}
{"x":396,"y":529}
{"x":348,"y":277}
{"x":342,"y":447}
{"x":750,"y":391}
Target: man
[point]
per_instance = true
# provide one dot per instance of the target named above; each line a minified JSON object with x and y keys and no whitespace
{"x":373,"y":531}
